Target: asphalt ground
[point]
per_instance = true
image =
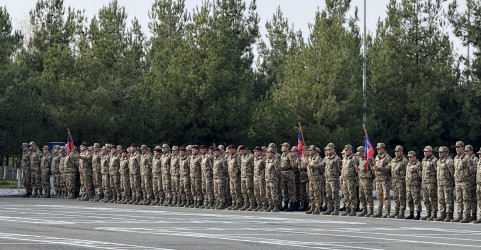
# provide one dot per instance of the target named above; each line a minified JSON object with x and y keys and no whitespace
{"x":37,"y":223}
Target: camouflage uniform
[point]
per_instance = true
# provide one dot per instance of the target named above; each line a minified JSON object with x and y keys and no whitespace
{"x":45,"y":166}
{"x":166,"y":184}
{"x":219,"y":171}
{"x":349,"y":182}
{"x":196,"y":180}
{"x":63,"y":177}
{"x":333,"y":165}
{"x":157,"y":187}
{"x":316,"y":181}
{"x":462,"y":172}
{"x":206,"y":163}
{"x":96,"y":173}
{"x":125,"y":179}
{"x":430,"y":186}
{"x":104,"y":170}
{"x":71,"y":171}
{"x":184,"y":171}
{"x":175,"y":178}
{"x":472,"y":182}
{"x":146,"y":176}
{"x":135,"y":179}
{"x":247,"y":181}
{"x":114,"y":174}
{"x":383,"y":182}
{"x":304,"y":181}
{"x":233,"y":166}
{"x":26,"y":171}
{"x":413,"y":185}
{"x":260,"y":182}
{"x":85,"y":160}
{"x":445,"y":178}
{"x":272,"y":173}
{"x":56,"y":172}
{"x":35,"y":157}
{"x":366,"y":178}
{"x":398,"y":172}
{"x":287,"y":164}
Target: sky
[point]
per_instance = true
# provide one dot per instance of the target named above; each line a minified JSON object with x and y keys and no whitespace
{"x":300,"y":13}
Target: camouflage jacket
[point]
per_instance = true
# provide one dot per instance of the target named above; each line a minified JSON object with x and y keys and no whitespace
{"x":71,"y":163}
{"x":429,"y":170}
{"x":233,"y":166}
{"x":259,"y":168}
{"x":114,"y":166}
{"x":174,"y":166}
{"x":333,"y":166}
{"x":349,"y":165}
{"x":247,"y":166}
{"x":46,"y":162}
{"x":105,"y":164}
{"x":25,"y":163}
{"x":414,"y":173}
{"x":445,"y":173}
{"x":184,"y":167}
{"x":206,"y":164}
{"x":35,"y":160}
{"x":96,"y":161}
{"x":56,"y":163}
{"x":134,"y":163}
{"x":156,"y":166}
{"x":272,"y":171}
{"x":478,"y":173}
{"x":146,"y":164}
{"x":474,"y":164}
{"x":85,"y":160}
{"x":195,"y":168}
{"x":165,"y":159}
{"x":286,"y":163}
{"x":462,"y":168}
{"x":124,"y":166}
{"x":302,"y":166}
{"x":368,"y":173}
{"x":398,"y":168}
{"x":383,"y":167}
{"x":61,"y":167}
{"x":317,"y":167}
{"x":219,"y":168}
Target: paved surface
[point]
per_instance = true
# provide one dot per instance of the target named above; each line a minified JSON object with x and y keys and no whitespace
{"x":37,"y":223}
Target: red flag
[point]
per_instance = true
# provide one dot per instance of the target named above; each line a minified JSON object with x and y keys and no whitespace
{"x":300,"y":143}
{"x":368,"y":150}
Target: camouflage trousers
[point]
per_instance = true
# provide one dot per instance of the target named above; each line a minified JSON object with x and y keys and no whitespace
{"x":97,"y":180}
{"x":87,"y":183}
{"x":106,"y":185}
{"x":185,"y":189}
{"x":271,"y":193}
{"x":349,"y":189}
{"x":166,"y":185}
{"x":208,"y":188}
{"x":157,"y":187}
{"x":247,"y":189}
{"x":474,"y":205}
{"x":135,"y":185}
{"x":430,"y":196}
{"x":56,"y":182}
{"x":219,"y":187}
{"x":196,"y":188}
{"x":146,"y":185}
{"x":463,"y":197}
{"x":332,"y":194}
{"x":288,"y":186}
{"x":260,"y":190}
{"x":413,"y":196}
{"x":175,"y":186}
{"x":445,"y":198}
{"x":478,"y":195}
{"x":115,"y":184}
{"x":36,"y":179}
{"x":399,"y":188}
{"x":27,"y":179}
{"x":46,"y":180}
{"x":303,"y":191}
{"x":125,"y":185}
{"x":235,"y":191}
{"x":384,"y":196}
{"x":319,"y":188}
{"x":228,"y":197}
{"x":70,"y":179}
{"x":365,"y":193}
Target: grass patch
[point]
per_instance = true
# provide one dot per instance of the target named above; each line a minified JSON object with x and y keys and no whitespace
{"x":9,"y":184}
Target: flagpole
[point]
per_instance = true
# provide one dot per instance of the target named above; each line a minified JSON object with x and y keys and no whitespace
{"x":364,"y":106}
{"x":313,"y":185}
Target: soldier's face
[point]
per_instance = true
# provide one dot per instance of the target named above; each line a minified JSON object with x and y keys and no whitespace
{"x":55,"y":150}
{"x":165,"y":150}
{"x":399,"y":153}
{"x":45,"y":151}
{"x":284,"y":149}
{"x":348,"y":152}
{"x":312,"y":152}
{"x":83,"y":148}
{"x":34,"y":147}
{"x":216,"y":153}
{"x":156,"y":153}
{"x":427,"y":153}
{"x":412,"y":158}
{"x":124,"y":154}
{"x":113,"y":150}
{"x":222,"y":151}
{"x":25,"y":148}
{"x":195,"y":151}
{"x":270,"y":154}
{"x":143,"y":151}
{"x":175,"y":152}
{"x":381,"y":151}
{"x":203,"y":151}
{"x":470,"y":152}
{"x":459,"y":150}
{"x":183,"y":153}
{"x":231,"y":151}
{"x":257,"y":153}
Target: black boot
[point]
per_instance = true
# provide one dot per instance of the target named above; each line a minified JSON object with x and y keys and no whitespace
{"x":411,"y":215}
{"x":291,"y":207}
{"x":396,"y":213}
{"x":427,"y":215}
{"x":466,"y":218}
{"x":418,"y":215}
{"x":284,"y":208}
{"x":441,"y":217}
{"x":434,"y":215}
{"x":348,"y":211}
{"x":343,"y":208}
{"x":458,"y":219}
{"x":449,"y":217}
{"x":370,"y":212}
{"x":363,"y":212}
{"x":378,"y":214}
{"x":311,"y":210}
{"x":328,"y":211}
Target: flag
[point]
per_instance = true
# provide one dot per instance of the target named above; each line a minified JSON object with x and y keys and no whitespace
{"x":69,"y":144}
{"x":368,"y":150}
{"x":300,"y":143}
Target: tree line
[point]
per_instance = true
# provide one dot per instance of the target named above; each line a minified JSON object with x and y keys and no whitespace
{"x":195,"y":77}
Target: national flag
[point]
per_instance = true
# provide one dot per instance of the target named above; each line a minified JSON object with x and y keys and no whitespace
{"x":70,"y":145}
{"x":300,"y":143}
{"x":368,"y":150}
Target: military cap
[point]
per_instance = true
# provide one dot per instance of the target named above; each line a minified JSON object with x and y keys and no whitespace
{"x":96,"y":145}
{"x":165,"y":146}
{"x":242,"y":147}
{"x":157,"y":146}
{"x":348,"y":147}
{"x":258,"y":148}
{"x":32,"y":143}
{"x":56,"y":147}
{"x":195,"y":147}
{"x":175,"y":148}
{"x":380,"y":145}
{"x":285,"y":144}
{"x":357,"y":154}
{"x":271,"y":150}
{"x":211,"y":148}
{"x":144,"y":147}
{"x":188,"y":148}
{"x":62,"y":147}
{"x":330,"y":145}
{"x":119,"y":147}
{"x":428,"y":148}
{"x":113,"y":147}
{"x":157,"y":150}
{"x":318,"y":149}
{"x":411,"y":153}
{"x":215,"y":149}
{"x":312,"y":148}
{"x":24,"y":144}
{"x":443,"y":149}
{"x":221,"y":147}
{"x":104,"y":148}
{"x":85,"y":144}
{"x":294,"y":149}
{"x":133,"y":145}
{"x":399,"y":148}
{"x":264,"y":148}
{"x":230,"y":146}
{"x":45,"y":147}
{"x":108,"y":145}
{"x":272,"y":145}
{"x":459,"y":144}
{"x":203,"y":147}
{"x":124,"y":151}
{"x":468,"y":148}
{"x":360,"y":149}
{"x":183,"y":149}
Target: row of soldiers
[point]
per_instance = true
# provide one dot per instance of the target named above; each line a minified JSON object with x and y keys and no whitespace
{"x":210,"y":177}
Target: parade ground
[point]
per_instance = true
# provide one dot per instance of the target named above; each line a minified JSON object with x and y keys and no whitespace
{"x":37,"y":223}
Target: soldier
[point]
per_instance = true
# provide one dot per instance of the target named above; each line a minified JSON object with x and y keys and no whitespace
{"x":206,"y":162}
{"x":61,"y":169}
{"x":184,"y":173}
{"x":462,"y":171}
{"x":445,"y":178}
{"x":430,"y":186}
{"x":114,"y":174}
{"x":26,"y":172}
{"x":349,"y":181}
{"x":175,"y":176}
{"x":125,"y":177}
{"x":288,"y":178}
{"x":303,"y":188}
{"x":165,"y":168}
{"x":157,"y":178}
{"x":413,"y":186}
{"x":301,"y":195}
{"x":134,"y":172}
{"x":219,"y":171}
{"x":247,"y":178}
{"x":196,"y":177}
{"x":222,"y":150}
{"x":55,"y":169}
{"x":259,"y":179}
{"x":71,"y":171}
{"x":146,"y":175}
{"x":316,"y":172}
{"x":398,"y":170}
{"x":383,"y":180}
{"x":333,"y":165}
{"x":85,"y":161}
{"x":96,"y":172}
{"x":272,"y":172}
{"x":234,"y":170}
{"x":35,"y":157}
{"x":478,"y":185}
{"x":474,"y":162}
{"x":366,"y":177}
{"x":104,"y":170}
{"x":45,"y":166}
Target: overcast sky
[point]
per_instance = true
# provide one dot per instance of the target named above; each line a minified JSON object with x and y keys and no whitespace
{"x":299,"y":12}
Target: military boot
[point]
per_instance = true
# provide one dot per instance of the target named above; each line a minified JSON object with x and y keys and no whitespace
{"x":418,"y":215}
{"x":441,"y":217}
{"x":237,"y":206}
{"x":477,"y":221}
{"x":221,"y":205}
{"x":251,"y":207}
{"x":211,"y":205}
{"x":387,"y":213}
{"x":363,"y":212}
{"x":246,"y":205}
{"x":39,"y":195}
{"x":155,"y":202}
{"x":434,"y":215}
{"x":473,"y":216}
{"x":353,"y":212}
{"x":34,"y":194}
{"x":335,"y":211}
{"x":292,"y":207}
{"x":265,"y":206}
{"x":400,"y":215}
{"x":28,"y":194}
{"x":328,"y":211}
{"x":81,"y":197}
{"x":166,"y":201}
{"x":231,"y":206}
{"x":316,"y":210}
{"x":458,"y":219}
{"x":284,"y":207}
{"x":370,"y":212}
{"x":119,"y":198}
{"x":169,"y":202}
{"x":466,"y":218}
{"x":174,"y":202}
{"x":310,"y":211}
{"x":410,"y":216}
{"x":269,"y":208}
{"x":204,"y":205}
{"x":378,"y":214}
{"x":71,"y":196}
{"x":343,"y":208}
{"x":275,"y":209}
{"x":131,"y":201}
{"x":47,"y":194}
{"x":113,"y":198}
{"x":396,"y":213}
{"x":428,"y":214}
{"x":449,"y":217}
{"x":85,"y":198}
{"x":348,"y":211}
